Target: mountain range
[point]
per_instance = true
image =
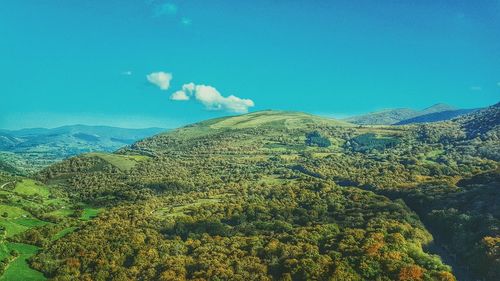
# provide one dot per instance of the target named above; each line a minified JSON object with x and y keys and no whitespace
{"x":30,"y":150}
{"x":403,"y":116}
{"x":38,"y":147}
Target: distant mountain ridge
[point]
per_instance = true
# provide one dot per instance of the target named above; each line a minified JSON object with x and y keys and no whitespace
{"x":436,"y":116}
{"x":403,"y":116}
{"x":385,"y":117}
{"x":40,"y":147}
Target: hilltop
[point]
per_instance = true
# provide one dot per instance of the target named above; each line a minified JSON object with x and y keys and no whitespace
{"x":272,"y":118}
{"x":263,"y":130}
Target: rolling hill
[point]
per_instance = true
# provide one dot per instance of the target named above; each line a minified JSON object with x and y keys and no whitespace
{"x":32,"y":149}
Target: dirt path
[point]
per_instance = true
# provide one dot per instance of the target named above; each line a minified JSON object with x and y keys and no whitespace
{"x":5,"y":184}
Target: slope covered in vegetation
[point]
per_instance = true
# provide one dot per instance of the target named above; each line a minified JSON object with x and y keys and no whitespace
{"x":33,"y":215}
{"x":254,"y":197}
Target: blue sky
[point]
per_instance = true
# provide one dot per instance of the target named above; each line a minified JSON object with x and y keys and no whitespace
{"x":69,"y":61}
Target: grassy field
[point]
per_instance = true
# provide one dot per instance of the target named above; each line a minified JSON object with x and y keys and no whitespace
{"x":30,"y":222}
{"x":30,"y":187}
{"x":12,"y":211}
{"x":64,"y":232}
{"x":122,"y":162}
{"x":277,"y":118}
{"x":180,"y":210}
{"x":16,"y":220}
{"x":89,"y":213}
{"x":19,"y":269}
{"x":65,"y":212}
{"x":26,"y":195}
{"x":12,"y":228}
{"x":431,"y":156}
{"x":18,"y":201}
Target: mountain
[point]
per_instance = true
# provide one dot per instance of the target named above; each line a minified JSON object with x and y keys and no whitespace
{"x":7,"y":140}
{"x":438,"y":107}
{"x":403,"y":116}
{"x":276,"y":195}
{"x":40,"y":147}
{"x":386,"y":117}
{"x":272,"y":124}
{"x":436,"y":116}
{"x":98,"y":132}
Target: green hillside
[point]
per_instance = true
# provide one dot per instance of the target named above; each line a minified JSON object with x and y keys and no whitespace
{"x":278,"y":196}
{"x":273,"y":119}
{"x":32,"y":216}
{"x":483,"y":122}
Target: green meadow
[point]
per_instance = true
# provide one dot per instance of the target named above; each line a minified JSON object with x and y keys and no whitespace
{"x":18,"y":268}
{"x":122,"y":162}
{"x":25,"y":206}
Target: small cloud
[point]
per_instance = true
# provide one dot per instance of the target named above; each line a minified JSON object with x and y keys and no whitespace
{"x":186,"y":21}
{"x":190,"y":87}
{"x":160,"y":79}
{"x":127,"y":73}
{"x":498,"y":84}
{"x":167,"y":9}
{"x":212,"y":99}
{"x":476,"y":88}
{"x":179,"y":95}
{"x":185,"y":94}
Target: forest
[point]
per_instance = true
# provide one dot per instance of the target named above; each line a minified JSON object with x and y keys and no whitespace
{"x":272,"y":195}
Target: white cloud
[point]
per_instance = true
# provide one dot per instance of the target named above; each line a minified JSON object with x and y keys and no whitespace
{"x":212,"y":99}
{"x":476,"y":88}
{"x":498,"y":84}
{"x":160,"y":79}
{"x":190,"y":87}
{"x":179,"y":95}
{"x":127,"y":73}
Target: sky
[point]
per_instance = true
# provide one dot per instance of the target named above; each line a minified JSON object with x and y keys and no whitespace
{"x":167,"y":63}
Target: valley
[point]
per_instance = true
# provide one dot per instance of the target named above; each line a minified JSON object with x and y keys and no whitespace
{"x":27,"y":151}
